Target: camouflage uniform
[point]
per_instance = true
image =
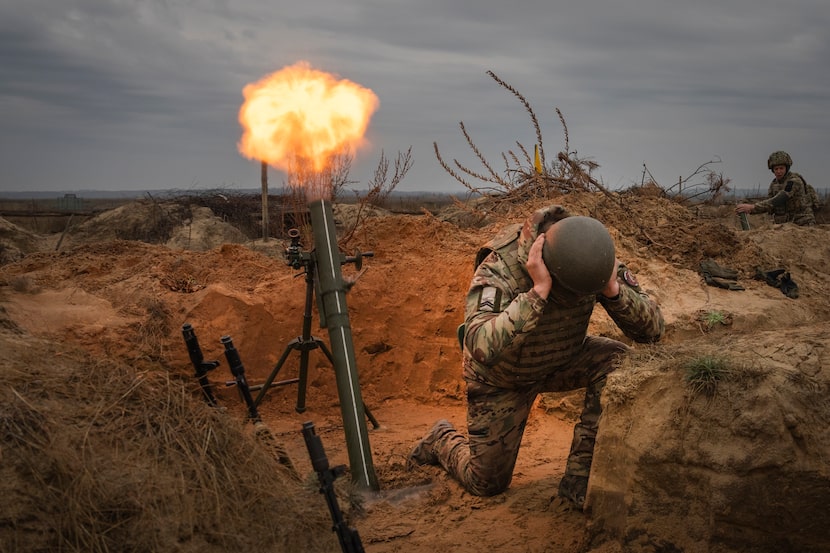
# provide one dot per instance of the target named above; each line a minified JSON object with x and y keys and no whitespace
{"x":788,"y":200}
{"x":517,"y":345}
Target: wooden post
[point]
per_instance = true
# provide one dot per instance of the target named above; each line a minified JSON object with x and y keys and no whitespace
{"x":264,"y":179}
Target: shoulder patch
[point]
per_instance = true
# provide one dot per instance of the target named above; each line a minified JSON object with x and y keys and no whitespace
{"x":490,"y":299}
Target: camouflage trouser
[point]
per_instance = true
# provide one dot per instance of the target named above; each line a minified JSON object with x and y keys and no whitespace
{"x":802,"y":219}
{"x":483,"y":461}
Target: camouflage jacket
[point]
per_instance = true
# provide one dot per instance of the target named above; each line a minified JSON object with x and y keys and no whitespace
{"x":788,"y":200}
{"x":514,"y":338}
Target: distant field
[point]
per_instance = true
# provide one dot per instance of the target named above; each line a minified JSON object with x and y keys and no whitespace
{"x":47,"y":215}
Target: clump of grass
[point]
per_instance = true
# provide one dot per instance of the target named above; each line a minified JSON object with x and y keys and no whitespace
{"x":710,"y":319}
{"x":704,"y":373}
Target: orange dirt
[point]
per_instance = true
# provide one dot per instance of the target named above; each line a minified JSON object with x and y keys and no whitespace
{"x":128,"y":300}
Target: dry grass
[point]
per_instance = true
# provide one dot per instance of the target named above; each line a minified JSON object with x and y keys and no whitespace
{"x":708,"y":320}
{"x":130,"y":461}
{"x":705,"y":372}
{"x":636,"y":368}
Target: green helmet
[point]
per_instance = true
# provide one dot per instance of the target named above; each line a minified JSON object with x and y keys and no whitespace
{"x":779,"y":158}
{"x":579,"y":253}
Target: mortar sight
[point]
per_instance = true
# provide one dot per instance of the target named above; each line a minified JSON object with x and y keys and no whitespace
{"x":294,"y":255}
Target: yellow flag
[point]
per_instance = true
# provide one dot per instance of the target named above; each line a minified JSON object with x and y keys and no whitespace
{"x":537,"y":161}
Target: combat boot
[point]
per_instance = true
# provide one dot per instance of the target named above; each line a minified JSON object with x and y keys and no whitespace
{"x":423,"y":453}
{"x":574,"y":488}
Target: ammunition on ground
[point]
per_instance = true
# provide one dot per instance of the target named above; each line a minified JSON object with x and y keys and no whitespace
{"x":348,"y":537}
{"x":238,"y":372}
{"x":744,"y":221}
{"x":201,"y":366}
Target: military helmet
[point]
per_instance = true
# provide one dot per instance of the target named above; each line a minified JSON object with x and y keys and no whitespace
{"x":579,"y":253}
{"x":779,"y":158}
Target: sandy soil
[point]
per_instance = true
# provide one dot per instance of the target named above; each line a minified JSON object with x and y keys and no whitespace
{"x":128,"y":300}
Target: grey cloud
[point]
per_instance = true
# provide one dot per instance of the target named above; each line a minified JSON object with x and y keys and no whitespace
{"x":31,"y":70}
{"x":163,"y":79}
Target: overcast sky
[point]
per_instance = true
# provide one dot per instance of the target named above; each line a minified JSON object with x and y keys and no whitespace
{"x":145,"y":94}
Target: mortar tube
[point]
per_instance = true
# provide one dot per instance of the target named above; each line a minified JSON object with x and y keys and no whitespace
{"x":331,"y":292}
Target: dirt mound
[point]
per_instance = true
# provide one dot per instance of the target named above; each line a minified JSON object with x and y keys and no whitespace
{"x":718,"y":449}
{"x":116,"y":459}
{"x":175,"y":224}
{"x":16,"y":242}
{"x":123,"y":303}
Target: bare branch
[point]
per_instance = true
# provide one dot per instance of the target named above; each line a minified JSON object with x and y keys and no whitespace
{"x":479,"y":176}
{"x":340,"y":165}
{"x":529,"y":109}
{"x":564,"y":128}
{"x":479,"y":155}
{"x":577,"y":170}
{"x":403,"y":163}
{"x":379,"y":188}
{"x":712,"y":186}
{"x":449,"y":170}
{"x":521,"y":179}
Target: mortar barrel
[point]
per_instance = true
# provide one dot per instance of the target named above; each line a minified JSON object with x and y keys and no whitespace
{"x":331,"y":292}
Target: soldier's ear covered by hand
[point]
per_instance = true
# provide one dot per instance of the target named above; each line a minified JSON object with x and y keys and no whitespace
{"x":536,"y":268}
{"x":612,"y":289}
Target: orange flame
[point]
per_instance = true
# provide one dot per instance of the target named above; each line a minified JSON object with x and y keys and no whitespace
{"x":300,"y":116}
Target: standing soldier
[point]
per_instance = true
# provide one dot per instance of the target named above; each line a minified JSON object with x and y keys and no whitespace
{"x":525,"y":332}
{"x":788,"y":199}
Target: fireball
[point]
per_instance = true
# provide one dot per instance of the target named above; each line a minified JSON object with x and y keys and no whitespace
{"x":303,"y":117}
